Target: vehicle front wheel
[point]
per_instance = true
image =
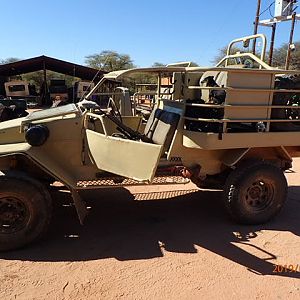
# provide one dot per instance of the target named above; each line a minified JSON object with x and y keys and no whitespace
{"x":255,"y":192}
{"x":25,"y":211}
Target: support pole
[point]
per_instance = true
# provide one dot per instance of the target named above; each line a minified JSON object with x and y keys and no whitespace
{"x":256,"y":24}
{"x":159,"y":85}
{"x":288,"y":56}
{"x":272,"y":44}
{"x":45,"y":100}
{"x":74,"y":97}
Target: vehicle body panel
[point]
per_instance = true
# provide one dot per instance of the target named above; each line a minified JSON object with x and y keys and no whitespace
{"x":131,"y":159}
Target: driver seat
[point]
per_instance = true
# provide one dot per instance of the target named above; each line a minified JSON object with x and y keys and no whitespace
{"x":161,"y":127}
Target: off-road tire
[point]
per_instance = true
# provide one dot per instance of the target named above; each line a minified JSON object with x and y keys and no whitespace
{"x":25,"y":211}
{"x":255,"y":192}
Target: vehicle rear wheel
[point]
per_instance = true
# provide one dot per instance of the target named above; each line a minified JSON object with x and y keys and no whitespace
{"x":25,"y":211}
{"x":255,"y":192}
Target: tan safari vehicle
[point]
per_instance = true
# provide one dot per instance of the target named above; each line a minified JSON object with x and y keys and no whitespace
{"x":234,"y":127}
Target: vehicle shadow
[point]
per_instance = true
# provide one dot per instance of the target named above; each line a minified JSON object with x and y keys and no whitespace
{"x":120,"y":227}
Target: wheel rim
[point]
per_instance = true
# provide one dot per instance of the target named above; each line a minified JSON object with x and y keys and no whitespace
{"x":259,"y":196}
{"x":13,"y":215}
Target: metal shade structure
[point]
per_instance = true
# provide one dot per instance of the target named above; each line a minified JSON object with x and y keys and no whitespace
{"x":48,"y":63}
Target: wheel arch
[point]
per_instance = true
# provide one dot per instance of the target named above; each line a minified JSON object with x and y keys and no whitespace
{"x":23,"y":163}
{"x":278,"y":156}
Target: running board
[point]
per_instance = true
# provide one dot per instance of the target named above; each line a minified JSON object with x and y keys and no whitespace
{"x":119,"y":182}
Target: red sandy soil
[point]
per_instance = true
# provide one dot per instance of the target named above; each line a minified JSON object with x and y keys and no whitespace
{"x":158,"y":244}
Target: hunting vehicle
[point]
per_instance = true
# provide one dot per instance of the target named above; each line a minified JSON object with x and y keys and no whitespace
{"x":234,"y":126}
{"x":20,"y":89}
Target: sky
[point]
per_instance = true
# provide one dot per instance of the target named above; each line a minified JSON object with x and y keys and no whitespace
{"x":149,"y":31}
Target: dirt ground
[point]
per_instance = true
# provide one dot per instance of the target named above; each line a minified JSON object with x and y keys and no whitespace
{"x":158,"y":244}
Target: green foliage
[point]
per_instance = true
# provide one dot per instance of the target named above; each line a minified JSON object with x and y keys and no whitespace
{"x":194,"y":64}
{"x":158,"y":64}
{"x":144,"y":78}
{"x":222,"y":53}
{"x":109,"y":61}
{"x":37,"y":78}
{"x":9,"y":60}
{"x":279,"y":57}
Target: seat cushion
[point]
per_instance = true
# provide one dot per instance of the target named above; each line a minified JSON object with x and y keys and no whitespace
{"x":161,"y":127}
{"x":152,"y":123}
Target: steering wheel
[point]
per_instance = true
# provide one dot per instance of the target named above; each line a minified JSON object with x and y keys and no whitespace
{"x":114,"y":111}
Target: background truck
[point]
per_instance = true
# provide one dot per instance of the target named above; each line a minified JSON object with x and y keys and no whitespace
{"x":58,"y":88}
{"x":20,"y":89}
{"x":79,"y":90}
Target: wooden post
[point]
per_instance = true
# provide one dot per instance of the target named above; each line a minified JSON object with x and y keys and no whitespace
{"x":45,"y":100}
{"x":256,"y":24}
{"x":288,"y":56}
{"x":272,"y":44}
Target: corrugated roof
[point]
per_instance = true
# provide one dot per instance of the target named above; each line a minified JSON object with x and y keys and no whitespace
{"x":53,"y":64}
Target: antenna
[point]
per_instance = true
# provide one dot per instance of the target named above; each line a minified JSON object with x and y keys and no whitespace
{"x":285,"y":10}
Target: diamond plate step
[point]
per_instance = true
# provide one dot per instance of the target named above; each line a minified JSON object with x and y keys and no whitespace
{"x":117,"y":181}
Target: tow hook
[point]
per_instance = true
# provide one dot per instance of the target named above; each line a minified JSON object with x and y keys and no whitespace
{"x":192,"y":173}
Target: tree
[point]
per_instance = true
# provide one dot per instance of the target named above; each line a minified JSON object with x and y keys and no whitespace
{"x":280,"y":53}
{"x":37,"y":78}
{"x":223,"y":52}
{"x":147,"y":78}
{"x":158,"y":64}
{"x":279,"y":56}
{"x":194,"y":64}
{"x":109,"y":61}
{"x":9,"y":60}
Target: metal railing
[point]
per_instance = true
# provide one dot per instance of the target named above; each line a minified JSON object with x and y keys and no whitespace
{"x":270,"y":107}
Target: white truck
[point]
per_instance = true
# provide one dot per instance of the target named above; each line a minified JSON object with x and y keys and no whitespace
{"x":17,"y":89}
{"x":81,"y":88}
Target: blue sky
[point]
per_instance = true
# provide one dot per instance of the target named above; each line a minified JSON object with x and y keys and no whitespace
{"x":149,"y":31}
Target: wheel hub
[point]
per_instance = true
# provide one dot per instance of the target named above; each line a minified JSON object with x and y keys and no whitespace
{"x":259,"y":195}
{"x":13,"y":215}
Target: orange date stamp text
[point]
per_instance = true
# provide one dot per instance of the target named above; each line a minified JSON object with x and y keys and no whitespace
{"x":286,"y":268}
